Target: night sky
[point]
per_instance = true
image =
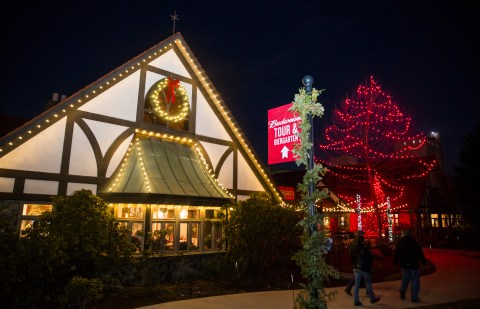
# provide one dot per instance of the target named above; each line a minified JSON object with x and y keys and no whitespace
{"x":424,"y":53}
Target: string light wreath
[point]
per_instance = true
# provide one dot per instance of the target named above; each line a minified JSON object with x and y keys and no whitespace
{"x":169,"y":100}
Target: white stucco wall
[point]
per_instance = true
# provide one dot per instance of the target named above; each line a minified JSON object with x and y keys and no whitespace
{"x":6,"y":184}
{"x":120,"y":101}
{"x":170,"y":62}
{"x":246,"y":178}
{"x":33,"y":186}
{"x":42,"y":153}
{"x":207,"y":123}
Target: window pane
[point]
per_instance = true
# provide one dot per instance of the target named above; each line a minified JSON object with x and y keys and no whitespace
{"x":209,"y":213}
{"x":156,"y":227}
{"x":163,"y":212}
{"x":218,"y":236}
{"x":207,"y":238}
{"x":193,"y":213}
{"x":434,"y":220}
{"x":189,"y":213}
{"x":170,"y":236}
{"x":130,"y":211}
{"x":162,"y":230}
{"x":25,"y":224}
{"x":183,"y":214}
{"x":137,"y":228}
{"x":183,"y":236}
{"x":137,"y":235}
{"x":326,"y":222}
{"x":35,"y":209}
{"x":194,"y":239}
{"x":213,"y":214}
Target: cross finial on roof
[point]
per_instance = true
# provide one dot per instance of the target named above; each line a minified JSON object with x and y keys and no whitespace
{"x":174,"y":18}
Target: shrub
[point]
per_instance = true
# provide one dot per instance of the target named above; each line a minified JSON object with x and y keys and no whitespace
{"x":80,"y":237}
{"x":81,"y":292}
{"x":261,"y":236}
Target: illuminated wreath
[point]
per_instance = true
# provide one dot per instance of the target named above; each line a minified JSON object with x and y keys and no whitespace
{"x":169,"y":100}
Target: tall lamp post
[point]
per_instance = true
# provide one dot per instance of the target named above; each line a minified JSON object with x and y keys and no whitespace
{"x":308,"y":83}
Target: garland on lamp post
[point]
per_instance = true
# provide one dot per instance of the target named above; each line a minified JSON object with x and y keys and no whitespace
{"x":311,"y":258}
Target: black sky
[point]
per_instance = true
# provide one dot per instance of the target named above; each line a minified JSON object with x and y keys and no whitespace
{"x":424,"y":53}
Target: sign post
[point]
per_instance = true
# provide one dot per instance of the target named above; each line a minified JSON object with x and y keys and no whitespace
{"x":308,"y":83}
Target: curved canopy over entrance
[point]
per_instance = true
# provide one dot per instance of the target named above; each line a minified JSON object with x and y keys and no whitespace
{"x":164,"y":170}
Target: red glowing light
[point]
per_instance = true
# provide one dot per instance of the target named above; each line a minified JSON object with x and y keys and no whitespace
{"x":370,"y":127}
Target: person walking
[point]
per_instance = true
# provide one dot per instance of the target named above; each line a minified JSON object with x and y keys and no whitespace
{"x":351,"y":284}
{"x":362,"y":265}
{"x":409,"y":254}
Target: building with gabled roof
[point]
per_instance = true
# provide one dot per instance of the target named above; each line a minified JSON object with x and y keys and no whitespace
{"x":153,"y":137}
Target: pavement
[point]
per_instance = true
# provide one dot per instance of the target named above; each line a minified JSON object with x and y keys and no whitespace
{"x":457,"y":278}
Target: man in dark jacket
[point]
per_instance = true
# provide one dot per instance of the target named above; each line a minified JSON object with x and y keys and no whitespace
{"x":362,"y":265}
{"x":409,"y":254}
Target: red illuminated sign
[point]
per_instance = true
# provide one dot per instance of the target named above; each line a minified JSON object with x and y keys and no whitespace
{"x":283,"y":127}
{"x":287,"y":192}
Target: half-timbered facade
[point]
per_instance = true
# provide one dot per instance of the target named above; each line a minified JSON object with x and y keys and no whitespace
{"x":153,"y":137}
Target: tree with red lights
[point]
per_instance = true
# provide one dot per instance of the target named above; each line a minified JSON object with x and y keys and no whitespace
{"x":370,"y":127}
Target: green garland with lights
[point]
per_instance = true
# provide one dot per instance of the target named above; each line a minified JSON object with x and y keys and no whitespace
{"x":311,"y":258}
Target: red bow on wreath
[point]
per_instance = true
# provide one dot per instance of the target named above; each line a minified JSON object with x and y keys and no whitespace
{"x":172,"y":84}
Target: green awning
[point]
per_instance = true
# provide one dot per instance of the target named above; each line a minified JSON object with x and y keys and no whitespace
{"x":159,"y":170}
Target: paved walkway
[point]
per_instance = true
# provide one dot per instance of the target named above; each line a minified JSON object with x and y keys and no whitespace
{"x":457,"y":278}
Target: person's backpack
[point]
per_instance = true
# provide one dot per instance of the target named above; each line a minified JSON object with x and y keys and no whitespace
{"x":364,"y":261}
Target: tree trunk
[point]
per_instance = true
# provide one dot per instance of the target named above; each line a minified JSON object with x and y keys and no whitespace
{"x":375,"y":201}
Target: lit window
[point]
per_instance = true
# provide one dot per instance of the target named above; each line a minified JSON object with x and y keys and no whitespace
{"x":326,"y":222}
{"x":213,"y":214}
{"x":434,"y":220}
{"x":450,"y":220}
{"x":190,"y":213}
{"x":163,"y":212}
{"x":129,"y":211}
{"x":394,"y":218}
{"x":193,"y":213}
{"x":183,"y":214}
{"x":24,"y":225}
{"x":35,"y":209}
{"x":29,"y":214}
